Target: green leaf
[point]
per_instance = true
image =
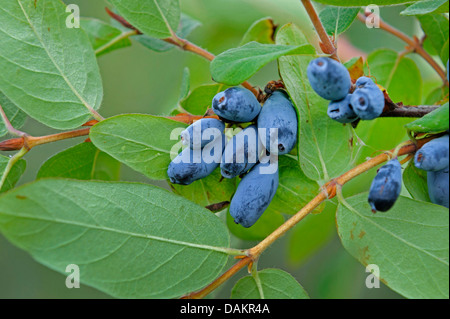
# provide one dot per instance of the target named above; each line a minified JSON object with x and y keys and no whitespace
{"x":337,"y":20}
{"x":61,"y":84}
{"x":84,"y":162}
{"x":325,"y":146}
{"x":402,"y":79}
{"x":200,"y":99}
{"x":437,"y":95}
{"x":239,"y":64}
{"x":409,"y":244}
{"x":14,"y":175}
{"x":104,"y":37}
{"x":155,"y":18}
{"x":274,"y":284}
{"x":187,"y":25}
{"x":207,"y":191}
{"x":261,"y":31}
{"x":415,"y":181}
{"x":359,"y":3}
{"x":426,"y":6}
{"x":295,"y":190}
{"x":436,"y":28}
{"x":266,"y":224}
{"x":129,"y":240}
{"x":434,"y":122}
{"x":15,"y":116}
{"x":444,"y":52}
{"x":140,"y":141}
{"x":310,"y":235}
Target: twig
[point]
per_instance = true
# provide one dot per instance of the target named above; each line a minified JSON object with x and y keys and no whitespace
{"x":414,"y":44}
{"x":410,"y":111}
{"x":327,"y":45}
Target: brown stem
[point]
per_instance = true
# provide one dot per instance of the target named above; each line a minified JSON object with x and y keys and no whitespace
{"x":414,"y":44}
{"x":327,"y":45}
{"x":410,"y":111}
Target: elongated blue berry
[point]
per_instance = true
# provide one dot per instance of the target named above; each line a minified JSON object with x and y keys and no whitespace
{"x":279,"y":120}
{"x":202,"y":132}
{"x":254,"y":194}
{"x":438,"y":187}
{"x":236,"y":105}
{"x":241,"y":153}
{"x":342,"y":111}
{"x":434,"y":155}
{"x":386,"y":186}
{"x":191,"y":165}
{"x":368,"y":102}
{"x":329,"y":78}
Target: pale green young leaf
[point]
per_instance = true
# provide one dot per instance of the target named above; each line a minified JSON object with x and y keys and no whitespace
{"x":143,"y":142}
{"x":185,"y":84}
{"x":237,"y":65}
{"x":409,"y":244}
{"x":61,"y":85}
{"x":325,"y":146}
{"x":436,"y":28}
{"x":155,"y":18}
{"x":129,"y":240}
{"x":83,"y":162}
{"x":273,"y":284}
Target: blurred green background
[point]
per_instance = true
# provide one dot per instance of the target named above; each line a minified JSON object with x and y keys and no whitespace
{"x":137,"y":80}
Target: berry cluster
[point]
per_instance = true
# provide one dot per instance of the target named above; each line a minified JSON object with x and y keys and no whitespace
{"x":331,"y":80}
{"x":251,"y":154}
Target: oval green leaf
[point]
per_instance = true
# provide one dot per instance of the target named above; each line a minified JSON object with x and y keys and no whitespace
{"x":426,"y":6}
{"x":262,"y":31}
{"x":237,"y":65}
{"x":337,"y":20}
{"x":434,"y":122}
{"x":129,"y":240}
{"x":14,"y":174}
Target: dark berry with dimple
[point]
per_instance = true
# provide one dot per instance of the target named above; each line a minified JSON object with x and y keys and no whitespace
{"x":192,"y":165}
{"x":386,"y":186}
{"x":202,"y":132}
{"x":241,"y":153}
{"x":342,"y":111}
{"x":236,"y":105}
{"x":329,"y":78}
{"x":434,"y":155}
{"x":254,"y":194}
{"x":279,"y":120}
{"x":438,"y":187}
{"x":368,"y":101}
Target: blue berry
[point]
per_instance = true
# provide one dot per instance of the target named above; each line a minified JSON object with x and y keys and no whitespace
{"x":368,"y":102}
{"x":438,"y":187}
{"x":279,"y":119}
{"x":434,"y":155}
{"x":191,"y":165}
{"x":363,"y":82}
{"x":386,"y":186}
{"x":254,"y":194}
{"x":236,"y":105}
{"x":241,"y":153}
{"x":329,"y":78}
{"x":342,"y":111}
{"x":202,"y":132}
